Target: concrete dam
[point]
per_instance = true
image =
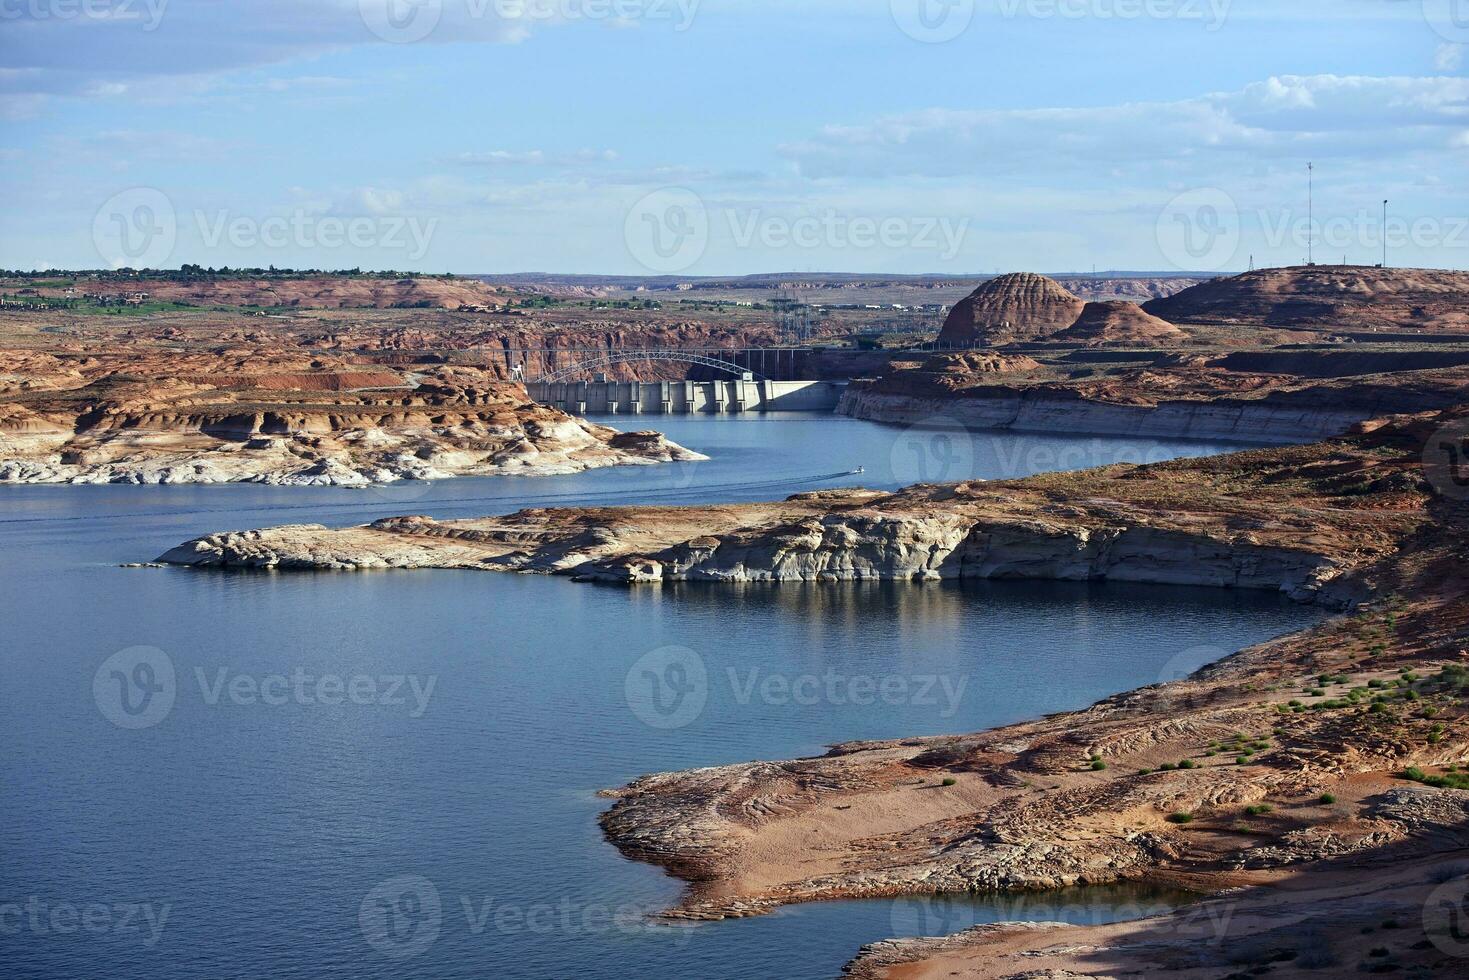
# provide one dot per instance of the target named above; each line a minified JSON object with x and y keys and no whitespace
{"x":726,"y":396}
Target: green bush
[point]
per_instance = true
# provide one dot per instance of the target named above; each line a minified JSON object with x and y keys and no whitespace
{"x":950,"y":781}
{"x":1098,"y":765}
{"x":1259,"y":809}
{"x":1326,"y":799}
{"x":1180,"y":818}
{"x":1188,"y":764}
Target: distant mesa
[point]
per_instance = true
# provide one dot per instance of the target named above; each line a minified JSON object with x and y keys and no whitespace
{"x":1117,"y":322}
{"x":1327,"y":296}
{"x":1020,"y":306}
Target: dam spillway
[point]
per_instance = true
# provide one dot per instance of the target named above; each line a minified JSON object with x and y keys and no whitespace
{"x":727,"y":396}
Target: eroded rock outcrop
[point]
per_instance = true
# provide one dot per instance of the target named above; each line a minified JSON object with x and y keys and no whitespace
{"x":1119,"y":321}
{"x":1019,"y":306}
{"x":1234,"y":521}
{"x":171,"y":430}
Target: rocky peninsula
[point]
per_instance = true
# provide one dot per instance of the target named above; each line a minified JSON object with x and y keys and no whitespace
{"x":300,"y":425}
{"x":1275,"y":780}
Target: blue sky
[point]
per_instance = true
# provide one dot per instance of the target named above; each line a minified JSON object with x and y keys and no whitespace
{"x":732,"y":136}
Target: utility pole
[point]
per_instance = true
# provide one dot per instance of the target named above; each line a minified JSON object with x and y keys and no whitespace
{"x":1311,"y":213}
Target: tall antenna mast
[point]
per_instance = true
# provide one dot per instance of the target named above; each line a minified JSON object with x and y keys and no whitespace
{"x":1311,"y":214}
{"x":1384,"y":234}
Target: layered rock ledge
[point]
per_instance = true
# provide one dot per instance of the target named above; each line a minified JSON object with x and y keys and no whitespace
{"x":1182,"y":397}
{"x":303,"y":430}
{"x":1304,"y":521}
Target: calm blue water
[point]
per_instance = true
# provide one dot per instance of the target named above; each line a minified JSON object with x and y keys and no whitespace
{"x":440,"y":819}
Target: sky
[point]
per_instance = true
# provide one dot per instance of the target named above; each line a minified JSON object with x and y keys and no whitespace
{"x":727,"y":137}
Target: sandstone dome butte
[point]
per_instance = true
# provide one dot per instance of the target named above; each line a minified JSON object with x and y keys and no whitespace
{"x":1119,"y":321}
{"x":1019,"y":306}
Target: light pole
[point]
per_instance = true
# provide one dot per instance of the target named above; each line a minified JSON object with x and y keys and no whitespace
{"x":1384,"y":234}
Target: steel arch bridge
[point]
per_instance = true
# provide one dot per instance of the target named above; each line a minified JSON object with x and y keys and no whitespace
{"x":638,"y":356}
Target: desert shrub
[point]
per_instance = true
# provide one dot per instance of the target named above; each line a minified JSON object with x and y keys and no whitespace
{"x":1098,"y":765}
{"x":1326,"y":799}
{"x":1180,"y":818}
{"x":1259,"y":809}
{"x":950,"y":781}
{"x":1188,"y":764}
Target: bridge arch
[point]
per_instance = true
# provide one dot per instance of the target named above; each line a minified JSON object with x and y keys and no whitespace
{"x":637,"y":356}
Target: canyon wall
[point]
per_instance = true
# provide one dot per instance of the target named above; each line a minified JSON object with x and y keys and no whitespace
{"x":1260,"y":422}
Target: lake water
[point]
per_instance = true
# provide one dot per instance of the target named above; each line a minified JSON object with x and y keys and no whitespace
{"x":386,"y":775}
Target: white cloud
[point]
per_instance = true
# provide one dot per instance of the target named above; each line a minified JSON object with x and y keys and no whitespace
{"x":1347,"y":117}
{"x":1449,"y":57}
{"x":513,"y":158}
{"x":49,"y":55}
